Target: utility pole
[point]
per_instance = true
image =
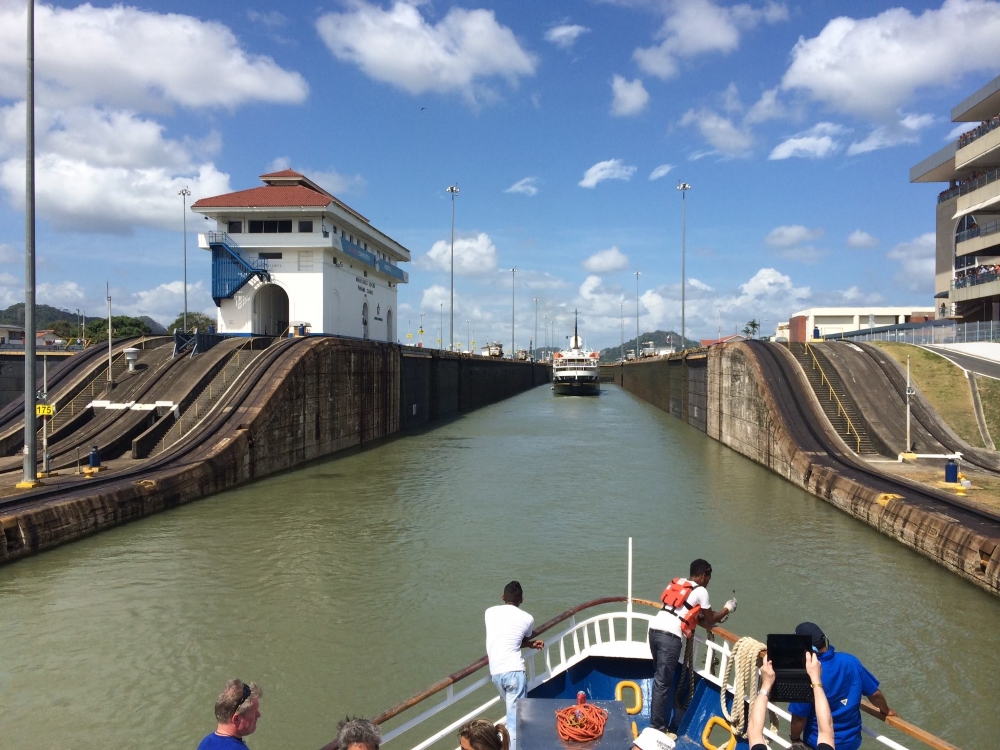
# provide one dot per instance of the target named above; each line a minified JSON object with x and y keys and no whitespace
{"x":683,"y":187}
{"x":453,"y":189}
{"x":30,"y":474}
{"x":534,"y":348}
{"x":108,"y":286}
{"x":441,"y":329}
{"x":513,"y":285}
{"x":621,"y":311}
{"x":184,"y":193}
{"x":909,"y":392}
{"x":637,"y":274}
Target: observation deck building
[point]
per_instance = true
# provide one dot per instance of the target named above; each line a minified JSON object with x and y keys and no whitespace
{"x":967,"y":255}
{"x":290,"y":254}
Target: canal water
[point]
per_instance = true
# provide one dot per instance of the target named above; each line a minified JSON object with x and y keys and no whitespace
{"x":353,"y":583}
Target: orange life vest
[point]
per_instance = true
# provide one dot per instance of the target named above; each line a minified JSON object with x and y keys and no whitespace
{"x":675,"y":600}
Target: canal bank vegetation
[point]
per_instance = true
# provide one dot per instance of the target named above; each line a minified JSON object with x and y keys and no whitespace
{"x":945,"y":387}
{"x":989,"y":395}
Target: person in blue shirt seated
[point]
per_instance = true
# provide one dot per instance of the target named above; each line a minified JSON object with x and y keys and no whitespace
{"x":845,"y":680}
{"x":758,"y":711}
{"x":237,"y":710}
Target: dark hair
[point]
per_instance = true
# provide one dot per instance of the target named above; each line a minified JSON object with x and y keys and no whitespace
{"x":357,"y":730}
{"x":512,"y":592}
{"x":699,"y":566}
{"x":484,"y":735}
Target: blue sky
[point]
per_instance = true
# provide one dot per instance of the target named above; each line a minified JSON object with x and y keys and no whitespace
{"x":566,"y":125}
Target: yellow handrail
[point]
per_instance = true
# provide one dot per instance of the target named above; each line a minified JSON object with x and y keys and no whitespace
{"x":833,"y":397}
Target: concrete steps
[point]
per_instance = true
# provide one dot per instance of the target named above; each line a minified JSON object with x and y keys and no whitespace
{"x":206,"y":399}
{"x":838,"y":407}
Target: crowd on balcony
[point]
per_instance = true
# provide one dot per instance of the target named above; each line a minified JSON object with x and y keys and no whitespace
{"x":977,"y":275}
{"x":963,"y":186}
{"x":979,"y":131}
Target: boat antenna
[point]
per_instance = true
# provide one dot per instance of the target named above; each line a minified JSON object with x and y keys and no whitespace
{"x":576,"y":335}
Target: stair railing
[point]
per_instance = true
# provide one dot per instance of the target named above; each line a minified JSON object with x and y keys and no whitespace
{"x":824,"y":380}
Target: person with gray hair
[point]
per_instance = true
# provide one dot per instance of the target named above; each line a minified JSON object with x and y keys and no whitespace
{"x":354,"y":733}
{"x":237,"y":710}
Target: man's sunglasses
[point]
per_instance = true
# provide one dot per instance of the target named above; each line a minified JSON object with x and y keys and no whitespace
{"x":246,"y":694}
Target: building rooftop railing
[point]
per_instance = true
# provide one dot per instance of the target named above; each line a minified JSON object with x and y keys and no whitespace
{"x":967,"y":187}
{"x":979,"y":131}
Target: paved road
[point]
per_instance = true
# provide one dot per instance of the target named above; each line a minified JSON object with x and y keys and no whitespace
{"x":977,"y":365}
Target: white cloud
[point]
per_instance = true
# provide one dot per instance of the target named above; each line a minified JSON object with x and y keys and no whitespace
{"x":768,"y":107}
{"x":524,"y":187}
{"x":661,"y":171}
{"x":722,"y":134}
{"x":860,"y":240}
{"x":60,"y":294}
{"x":630,"y":97}
{"x":272,"y":19}
{"x":816,"y":143}
{"x":791,"y":235}
{"x":612,"y":169}
{"x":8,"y":254}
{"x":873,"y":66}
{"x":565,"y":36}
{"x":916,"y":259}
{"x":695,"y":27}
{"x":105,"y":171}
{"x":885,"y":136}
{"x":334,"y":182}
{"x":398,"y":46}
{"x":165,"y":302}
{"x":606,"y":261}
{"x":474,"y":256}
{"x":126,"y":57}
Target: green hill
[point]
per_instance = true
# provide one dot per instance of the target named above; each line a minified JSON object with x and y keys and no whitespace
{"x":659,"y":339}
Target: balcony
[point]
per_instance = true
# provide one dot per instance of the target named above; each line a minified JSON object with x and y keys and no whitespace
{"x":978,"y":240}
{"x":979,"y":282}
{"x":979,"y":147}
{"x":975,"y":194}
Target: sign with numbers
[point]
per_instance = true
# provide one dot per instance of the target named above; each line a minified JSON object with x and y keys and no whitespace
{"x":44,"y":410}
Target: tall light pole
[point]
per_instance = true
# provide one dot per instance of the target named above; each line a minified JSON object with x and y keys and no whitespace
{"x":184,"y":193}
{"x":683,"y":187}
{"x":453,"y":189}
{"x":513,"y":286}
{"x":545,"y":329}
{"x":621,"y":310}
{"x":441,"y":329}
{"x":637,"y":275}
{"x":534,"y":350}
{"x":468,"y":334}
{"x":30,"y":475}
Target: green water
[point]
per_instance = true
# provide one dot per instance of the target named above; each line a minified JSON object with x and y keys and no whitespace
{"x":349,"y":585}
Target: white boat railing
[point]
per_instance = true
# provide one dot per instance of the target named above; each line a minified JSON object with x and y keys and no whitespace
{"x":615,"y":634}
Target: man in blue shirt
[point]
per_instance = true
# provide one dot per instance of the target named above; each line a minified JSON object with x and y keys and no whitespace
{"x":845,"y":680}
{"x":237,"y":710}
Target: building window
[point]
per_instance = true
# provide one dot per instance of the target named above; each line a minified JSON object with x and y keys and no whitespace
{"x":305,"y":226}
{"x":270,"y":226}
{"x":269,"y":256}
{"x":236,"y":227}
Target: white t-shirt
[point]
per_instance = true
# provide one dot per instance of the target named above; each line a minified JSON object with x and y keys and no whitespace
{"x":506,"y":627}
{"x":668,"y":622}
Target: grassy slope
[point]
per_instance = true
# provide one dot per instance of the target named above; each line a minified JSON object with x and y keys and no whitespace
{"x":945,"y":386}
{"x":989,"y":394}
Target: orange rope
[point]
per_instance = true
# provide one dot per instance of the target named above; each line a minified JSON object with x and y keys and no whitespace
{"x":581,"y":722}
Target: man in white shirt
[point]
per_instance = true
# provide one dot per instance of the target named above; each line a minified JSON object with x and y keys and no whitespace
{"x":685,"y":605}
{"x":508,"y":628}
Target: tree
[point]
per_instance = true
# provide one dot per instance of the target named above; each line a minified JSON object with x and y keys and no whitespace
{"x":121,"y":326}
{"x":751,"y":328}
{"x":195,"y":320}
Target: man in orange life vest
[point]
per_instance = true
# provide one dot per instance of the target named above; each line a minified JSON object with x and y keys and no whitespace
{"x":685,"y":605}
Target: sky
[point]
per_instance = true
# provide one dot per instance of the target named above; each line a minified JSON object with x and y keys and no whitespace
{"x":567,"y":126}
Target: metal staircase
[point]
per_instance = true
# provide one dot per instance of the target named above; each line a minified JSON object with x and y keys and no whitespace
{"x":231,"y":267}
{"x":207,"y":398}
{"x":832,"y":395}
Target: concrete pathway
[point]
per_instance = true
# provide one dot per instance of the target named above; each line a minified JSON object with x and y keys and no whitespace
{"x":982,"y":360}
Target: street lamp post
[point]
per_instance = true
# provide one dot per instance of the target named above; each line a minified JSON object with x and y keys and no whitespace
{"x":683,"y":187}
{"x":184,"y":193}
{"x":534,"y":350}
{"x":637,"y":275}
{"x":513,"y":286}
{"x":441,"y":329}
{"x":453,"y":189}
{"x":30,"y":474}
{"x":468,"y":334}
{"x":621,"y":310}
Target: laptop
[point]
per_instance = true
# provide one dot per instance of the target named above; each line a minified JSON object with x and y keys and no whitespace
{"x":787,"y":653}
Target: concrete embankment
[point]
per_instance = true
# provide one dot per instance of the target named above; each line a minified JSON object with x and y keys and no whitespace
{"x":726,"y":393}
{"x":309,"y":399}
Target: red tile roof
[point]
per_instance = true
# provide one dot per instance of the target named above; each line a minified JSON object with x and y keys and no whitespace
{"x":282,"y":173}
{"x":266,"y":196}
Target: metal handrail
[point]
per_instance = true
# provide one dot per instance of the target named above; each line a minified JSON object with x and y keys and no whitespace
{"x":967,"y":187}
{"x":834,"y":397}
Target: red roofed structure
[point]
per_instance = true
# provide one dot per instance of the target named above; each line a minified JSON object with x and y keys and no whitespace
{"x":289,"y":255}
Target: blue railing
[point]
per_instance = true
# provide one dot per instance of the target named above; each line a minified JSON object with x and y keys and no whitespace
{"x":967,"y":187}
{"x":231,"y":267}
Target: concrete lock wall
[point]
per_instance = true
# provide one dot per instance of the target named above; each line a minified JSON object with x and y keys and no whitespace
{"x":326,"y":395}
{"x":740,"y":412}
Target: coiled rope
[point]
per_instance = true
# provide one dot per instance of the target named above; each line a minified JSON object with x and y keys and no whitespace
{"x":687,"y":670}
{"x":743,"y":662}
{"x":581,"y":722}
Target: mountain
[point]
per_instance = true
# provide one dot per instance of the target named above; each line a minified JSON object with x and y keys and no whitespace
{"x":154,"y":327}
{"x":659,"y":339}
{"x":45,"y":316}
